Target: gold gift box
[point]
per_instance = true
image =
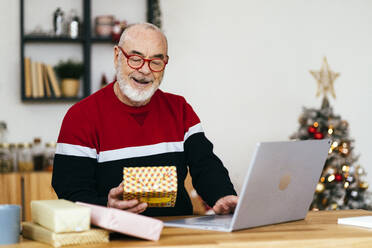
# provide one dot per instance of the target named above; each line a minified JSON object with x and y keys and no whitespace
{"x":155,"y":185}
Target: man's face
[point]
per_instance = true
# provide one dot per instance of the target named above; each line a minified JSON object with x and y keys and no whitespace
{"x":138,"y":85}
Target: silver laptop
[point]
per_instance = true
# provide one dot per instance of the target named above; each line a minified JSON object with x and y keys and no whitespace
{"x":278,"y":187}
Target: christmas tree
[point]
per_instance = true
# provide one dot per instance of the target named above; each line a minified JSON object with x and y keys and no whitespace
{"x":342,"y":184}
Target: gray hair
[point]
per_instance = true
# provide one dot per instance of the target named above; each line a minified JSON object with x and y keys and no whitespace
{"x":146,"y":25}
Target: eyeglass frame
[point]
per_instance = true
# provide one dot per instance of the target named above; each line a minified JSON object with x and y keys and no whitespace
{"x":127,"y":56}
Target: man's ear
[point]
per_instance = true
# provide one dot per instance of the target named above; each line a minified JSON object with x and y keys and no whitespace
{"x":116,"y":55}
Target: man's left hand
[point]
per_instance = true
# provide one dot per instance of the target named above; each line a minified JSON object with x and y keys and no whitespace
{"x":226,"y":204}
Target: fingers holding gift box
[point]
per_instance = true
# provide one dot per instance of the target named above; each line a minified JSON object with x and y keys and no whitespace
{"x":156,"y":185}
{"x":115,"y":200}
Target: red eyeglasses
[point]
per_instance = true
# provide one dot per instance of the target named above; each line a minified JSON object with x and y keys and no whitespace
{"x":136,"y":62}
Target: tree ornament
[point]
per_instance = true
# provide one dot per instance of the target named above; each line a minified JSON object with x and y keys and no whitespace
{"x":318,"y":135}
{"x":310,"y":121}
{"x":344,"y":148}
{"x":346,"y":185}
{"x":350,"y":179}
{"x":325,"y":78}
{"x":338,"y":177}
{"x":360,"y":170}
{"x":302,"y":120}
{"x":311,"y":129}
{"x":345,"y":168}
{"x":363,"y":185}
{"x":331,"y":178}
{"x":330,"y":129}
{"x":354,"y":194}
{"x":330,"y":170}
{"x":320,"y":188}
{"x":344,"y":124}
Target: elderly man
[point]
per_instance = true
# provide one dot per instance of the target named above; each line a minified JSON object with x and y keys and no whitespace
{"x":131,"y":123}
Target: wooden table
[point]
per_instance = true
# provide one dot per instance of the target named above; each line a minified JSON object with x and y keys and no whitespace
{"x":319,"y":229}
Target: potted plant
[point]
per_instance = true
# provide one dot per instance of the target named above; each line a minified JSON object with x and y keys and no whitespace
{"x":69,"y":72}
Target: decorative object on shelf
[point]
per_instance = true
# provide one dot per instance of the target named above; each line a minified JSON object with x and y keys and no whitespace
{"x":49,"y":152}
{"x":58,"y":22}
{"x":25,"y":161}
{"x":39,"y":31}
{"x":37,"y":155}
{"x":103,"y":25}
{"x":69,"y":72}
{"x":73,"y":28}
{"x":116,"y":32}
{"x":6,"y":163}
{"x":153,"y":12}
{"x":3,"y":129}
{"x":13,"y":154}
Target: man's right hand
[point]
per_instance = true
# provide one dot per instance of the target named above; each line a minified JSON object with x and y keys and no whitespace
{"x":115,"y":200}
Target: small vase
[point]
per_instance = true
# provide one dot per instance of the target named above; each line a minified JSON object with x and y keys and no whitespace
{"x":70,"y":87}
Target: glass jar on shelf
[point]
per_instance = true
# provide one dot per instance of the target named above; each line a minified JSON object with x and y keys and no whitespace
{"x":50,"y":150}
{"x":38,"y":155}
{"x":13,"y":153}
{"x":25,"y":161}
{"x":6,"y":164}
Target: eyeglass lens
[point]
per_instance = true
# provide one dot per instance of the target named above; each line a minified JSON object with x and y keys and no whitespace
{"x":137,"y":62}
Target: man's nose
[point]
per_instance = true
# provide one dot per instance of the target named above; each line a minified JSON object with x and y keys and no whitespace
{"x":145,"y":69}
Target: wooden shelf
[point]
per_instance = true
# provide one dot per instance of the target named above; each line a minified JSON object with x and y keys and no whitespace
{"x":52,"y":99}
{"x":52,"y":39}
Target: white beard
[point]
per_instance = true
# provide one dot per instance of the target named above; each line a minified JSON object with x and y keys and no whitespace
{"x":135,"y":95}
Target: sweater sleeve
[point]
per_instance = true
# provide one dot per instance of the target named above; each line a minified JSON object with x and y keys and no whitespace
{"x":209,"y":176}
{"x":75,"y":162}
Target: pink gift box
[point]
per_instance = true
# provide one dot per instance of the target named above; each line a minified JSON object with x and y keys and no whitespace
{"x":125,"y":222}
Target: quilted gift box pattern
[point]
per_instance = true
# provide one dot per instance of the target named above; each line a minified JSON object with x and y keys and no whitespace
{"x":156,"y":185}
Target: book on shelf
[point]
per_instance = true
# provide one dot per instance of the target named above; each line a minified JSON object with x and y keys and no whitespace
{"x":46,"y":82}
{"x":40,"y":80}
{"x":28,"y":82}
{"x":35,"y":92}
{"x":53,"y":81}
{"x":40,"y":84}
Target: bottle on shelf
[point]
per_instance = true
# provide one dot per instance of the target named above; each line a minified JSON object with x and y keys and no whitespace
{"x":3,"y":130}
{"x":58,"y":22}
{"x":50,"y":149}
{"x":6,"y":164}
{"x":25,"y":161}
{"x":13,"y":153}
{"x":38,"y":155}
{"x":73,"y":25}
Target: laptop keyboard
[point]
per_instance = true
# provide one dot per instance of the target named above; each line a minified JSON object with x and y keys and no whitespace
{"x":211,"y":220}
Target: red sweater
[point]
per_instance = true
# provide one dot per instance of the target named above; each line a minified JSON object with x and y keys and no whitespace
{"x":100,"y":135}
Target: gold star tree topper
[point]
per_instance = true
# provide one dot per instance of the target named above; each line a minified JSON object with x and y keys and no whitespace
{"x":325,"y":78}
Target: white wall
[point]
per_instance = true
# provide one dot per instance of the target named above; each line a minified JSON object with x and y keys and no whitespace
{"x":243,"y":65}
